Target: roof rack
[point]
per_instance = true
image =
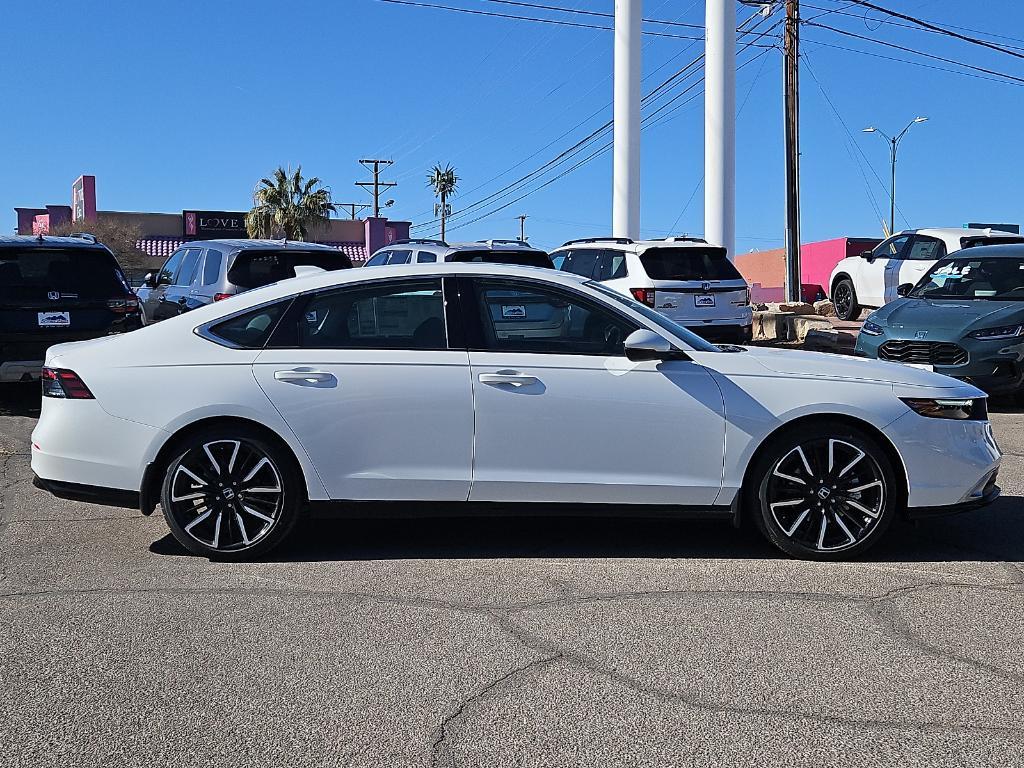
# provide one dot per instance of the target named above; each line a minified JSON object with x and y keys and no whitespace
{"x":499,"y":241}
{"x":84,"y":236}
{"x":684,"y":239}
{"x":421,"y":240}
{"x":620,"y":240}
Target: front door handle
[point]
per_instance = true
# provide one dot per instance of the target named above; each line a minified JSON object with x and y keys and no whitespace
{"x":304,"y":376}
{"x":514,"y":378}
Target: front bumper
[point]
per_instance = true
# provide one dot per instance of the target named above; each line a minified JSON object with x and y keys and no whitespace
{"x":989,"y":493}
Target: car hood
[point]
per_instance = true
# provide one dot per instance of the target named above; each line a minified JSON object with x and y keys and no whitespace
{"x":801,"y":364}
{"x":948,"y":314}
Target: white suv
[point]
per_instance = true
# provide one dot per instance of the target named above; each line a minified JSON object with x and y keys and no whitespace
{"x":872,"y":279}
{"x":415,"y":251}
{"x":690,"y":282}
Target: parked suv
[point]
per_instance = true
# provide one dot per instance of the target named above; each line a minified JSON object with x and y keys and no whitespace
{"x":204,"y":271}
{"x":871,"y":279}
{"x":415,"y":251}
{"x":684,"y":278}
{"x":54,"y":290}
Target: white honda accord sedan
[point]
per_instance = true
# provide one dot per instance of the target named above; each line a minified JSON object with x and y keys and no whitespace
{"x":474,"y":386}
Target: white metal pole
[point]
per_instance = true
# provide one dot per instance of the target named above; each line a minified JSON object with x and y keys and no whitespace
{"x":626,"y":170}
{"x":720,"y":125}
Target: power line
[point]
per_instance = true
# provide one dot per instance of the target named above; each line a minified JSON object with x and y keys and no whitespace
{"x":582,"y":12}
{"x":938,"y":29}
{"x":1006,"y":78}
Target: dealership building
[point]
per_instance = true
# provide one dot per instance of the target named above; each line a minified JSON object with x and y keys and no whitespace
{"x":162,"y":233}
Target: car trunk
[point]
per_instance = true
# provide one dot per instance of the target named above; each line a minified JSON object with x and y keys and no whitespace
{"x":52,"y":295}
{"x":694,"y":284}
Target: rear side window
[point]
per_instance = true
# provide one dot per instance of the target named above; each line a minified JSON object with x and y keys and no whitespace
{"x":254,"y":269}
{"x":211,"y":267}
{"x":611,"y":265}
{"x":688,"y":264}
{"x":426,"y":257}
{"x":926,"y":249}
{"x":85,"y":273}
{"x":523,"y":258}
{"x":252,"y":329}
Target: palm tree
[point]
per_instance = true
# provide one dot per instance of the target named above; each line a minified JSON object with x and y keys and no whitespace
{"x":288,"y":206}
{"x":443,"y":181}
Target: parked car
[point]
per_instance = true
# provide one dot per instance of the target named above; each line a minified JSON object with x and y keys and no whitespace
{"x":438,"y":384}
{"x":415,"y":251}
{"x":964,"y":318}
{"x":870,"y":280}
{"x":54,"y":290}
{"x":684,"y":278}
{"x":204,"y":271}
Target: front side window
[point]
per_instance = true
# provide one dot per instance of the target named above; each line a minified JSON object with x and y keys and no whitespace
{"x":527,"y":317}
{"x":558,"y":259}
{"x":378,"y":259}
{"x":891,"y":248}
{"x":400,"y":257}
{"x":611,"y":265}
{"x":170,"y":267}
{"x":390,"y":315}
{"x":656,"y":318}
{"x":926,"y":249}
{"x":998,"y":279}
{"x":581,"y":262}
{"x":252,"y":329}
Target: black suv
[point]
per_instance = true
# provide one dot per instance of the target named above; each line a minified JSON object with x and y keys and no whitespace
{"x":204,"y":271}
{"x":54,"y":290}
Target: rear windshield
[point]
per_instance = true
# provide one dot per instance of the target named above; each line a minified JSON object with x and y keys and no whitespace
{"x":254,"y":269}
{"x":522,"y":258}
{"x":688,"y":264}
{"x":84,"y":273}
{"x":970,"y":242}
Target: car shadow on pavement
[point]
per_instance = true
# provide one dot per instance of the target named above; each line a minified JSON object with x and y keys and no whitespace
{"x":989,"y":535}
{"x":20,"y":399}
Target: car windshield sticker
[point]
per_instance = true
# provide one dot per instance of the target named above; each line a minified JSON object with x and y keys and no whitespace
{"x":513,"y":310}
{"x":311,"y":316}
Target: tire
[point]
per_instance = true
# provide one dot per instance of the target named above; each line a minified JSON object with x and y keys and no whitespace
{"x":827,"y":492}
{"x":844,"y":299}
{"x":253,"y":493}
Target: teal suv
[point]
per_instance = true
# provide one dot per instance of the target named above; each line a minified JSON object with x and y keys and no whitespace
{"x":964,"y":318}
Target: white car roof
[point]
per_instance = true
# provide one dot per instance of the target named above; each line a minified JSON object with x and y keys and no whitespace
{"x":637,"y":246}
{"x":957,"y":232}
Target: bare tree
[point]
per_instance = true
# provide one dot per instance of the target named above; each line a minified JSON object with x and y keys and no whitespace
{"x":119,"y":236}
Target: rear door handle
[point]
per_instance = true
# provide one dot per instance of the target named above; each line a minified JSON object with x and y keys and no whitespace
{"x":304,"y":376}
{"x":514,"y":378}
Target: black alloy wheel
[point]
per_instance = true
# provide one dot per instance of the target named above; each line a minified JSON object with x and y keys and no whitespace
{"x":230,"y":495}
{"x":844,"y":299}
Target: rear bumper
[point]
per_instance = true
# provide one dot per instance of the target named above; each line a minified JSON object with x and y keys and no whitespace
{"x":91,"y":494}
{"x":729,"y":331}
{"x":20,"y":370}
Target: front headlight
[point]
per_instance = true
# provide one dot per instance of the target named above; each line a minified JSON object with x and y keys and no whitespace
{"x":961,"y":408}
{"x":991,"y":334}
{"x":872,"y":329}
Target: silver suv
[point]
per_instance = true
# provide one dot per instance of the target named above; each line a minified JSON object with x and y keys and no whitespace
{"x":204,"y":271}
{"x":684,"y":278}
{"x":415,"y":251}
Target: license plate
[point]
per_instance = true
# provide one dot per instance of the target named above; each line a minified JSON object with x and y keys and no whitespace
{"x":54,"y":319}
{"x":704,"y":300}
{"x":922,"y":366}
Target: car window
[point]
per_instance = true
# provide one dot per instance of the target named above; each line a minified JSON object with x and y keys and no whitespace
{"x":688,"y":263}
{"x":30,"y":274}
{"x":378,"y":258}
{"x":211,"y":267}
{"x":527,"y":317}
{"x":426,"y":257}
{"x":970,"y":242}
{"x":400,"y":257}
{"x":582,"y":262}
{"x":611,"y":265}
{"x":891,"y":248}
{"x":252,"y":329}
{"x":926,"y":249}
{"x":391,"y":315}
{"x":558,"y":259}
{"x":170,"y":267}
{"x":521,"y":256}
{"x":256,"y":268}
{"x":187,"y":271}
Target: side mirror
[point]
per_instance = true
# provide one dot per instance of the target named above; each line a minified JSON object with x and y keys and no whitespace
{"x":647,"y":345}
{"x":868,"y":255}
{"x":904,"y":288}
{"x":149,"y":280}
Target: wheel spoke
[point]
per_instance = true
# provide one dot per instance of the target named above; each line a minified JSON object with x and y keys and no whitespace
{"x":851,"y":538}
{"x":861,"y":488}
{"x":254,"y":513}
{"x":858,"y":506}
{"x":821,"y":534}
{"x":792,"y":529}
{"x":213,"y":461}
{"x":241,"y":529}
{"x":860,"y":455}
{"x":803,"y":458}
{"x":216,"y":530}
{"x":252,"y":473}
{"x":198,"y":520}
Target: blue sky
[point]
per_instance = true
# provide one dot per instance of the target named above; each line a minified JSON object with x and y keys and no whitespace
{"x":186,"y":104}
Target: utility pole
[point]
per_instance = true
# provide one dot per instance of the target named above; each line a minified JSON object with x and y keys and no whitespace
{"x":522,"y":226}
{"x":375,"y":186}
{"x":791,"y":76}
{"x":353,"y":208}
{"x":720,"y":125}
{"x":626,"y":131}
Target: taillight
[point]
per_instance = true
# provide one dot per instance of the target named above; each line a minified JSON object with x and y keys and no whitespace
{"x":123,"y":306}
{"x":222,"y":296}
{"x":748,"y":296}
{"x":643,"y":295}
{"x":60,"y":382}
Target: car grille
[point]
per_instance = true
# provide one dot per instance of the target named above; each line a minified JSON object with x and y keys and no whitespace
{"x":928,"y":352}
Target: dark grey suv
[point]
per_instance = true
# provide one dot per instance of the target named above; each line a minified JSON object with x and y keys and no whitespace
{"x":204,"y":271}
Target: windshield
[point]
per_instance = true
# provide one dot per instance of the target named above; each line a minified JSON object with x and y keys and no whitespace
{"x":86,"y":273}
{"x":657,"y":318}
{"x":1000,"y":279}
{"x":690,"y":263}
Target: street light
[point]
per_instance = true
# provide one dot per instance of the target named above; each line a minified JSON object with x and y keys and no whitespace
{"x":894,"y":143}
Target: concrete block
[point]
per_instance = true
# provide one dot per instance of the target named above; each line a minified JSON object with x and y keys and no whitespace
{"x":796,"y":309}
{"x":770,"y":326}
{"x":825,"y":308}
{"x":800,"y":325}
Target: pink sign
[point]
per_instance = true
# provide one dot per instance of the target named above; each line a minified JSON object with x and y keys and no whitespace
{"x":83,"y":199}
{"x":41,"y":224}
{"x":190,"y":222}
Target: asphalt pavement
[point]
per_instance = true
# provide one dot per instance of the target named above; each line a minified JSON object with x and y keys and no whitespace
{"x":512,"y":642}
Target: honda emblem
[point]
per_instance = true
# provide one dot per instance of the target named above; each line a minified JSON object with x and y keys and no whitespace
{"x":53,"y":295}
{"x":705,"y":286}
